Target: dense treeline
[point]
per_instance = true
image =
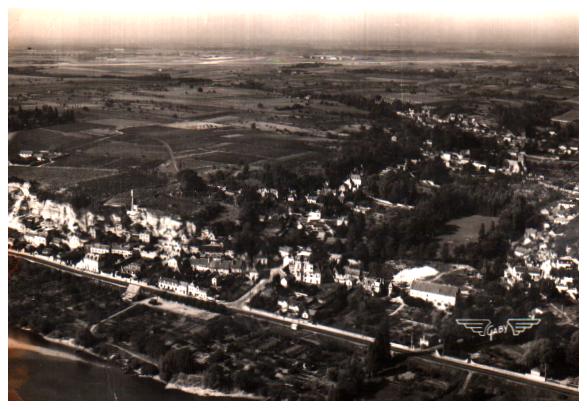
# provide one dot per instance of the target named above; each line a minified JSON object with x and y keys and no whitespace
{"x":517,"y":119}
{"x":35,"y":118}
{"x":453,"y":138}
{"x":372,"y":152}
{"x":283,"y":179}
{"x":414,"y":235}
{"x":376,"y":107}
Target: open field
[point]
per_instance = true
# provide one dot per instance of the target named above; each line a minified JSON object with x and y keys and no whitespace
{"x":58,"y":177}
{"x":467,"y":229}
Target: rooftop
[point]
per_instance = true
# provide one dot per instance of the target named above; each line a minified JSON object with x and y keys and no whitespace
{"x":441,"y":289}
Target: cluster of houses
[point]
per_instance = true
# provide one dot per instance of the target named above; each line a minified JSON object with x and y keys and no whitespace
{"x":515,"y":164}
{"x":39,"y":156}
{"x":425,"y":117}
{"x":352,"y":274}
{"x":299,"y":305}
{"x":152,"y":240}
{"x":183,"y":288}
{"x":536,"y":257}
{"x":299,"y":265}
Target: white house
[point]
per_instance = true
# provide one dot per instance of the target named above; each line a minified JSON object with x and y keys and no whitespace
{"x":314,"y":215}
{"x":195,"y":291}
{"x":91,"y":262}
{"x":149,"y":254}
{"x":440,"y":295}
{"x":303,"y":271}
{"x":98,"y":248}
{"x":144,"y":237}
{"x":171,"y":263}
{"x":36,"y":239}
{"x":372,"y":284}
{"x":123,"y":251}
{"x":313,"y":278}
{"x":253,"y":274}
{"x":169,"y":284}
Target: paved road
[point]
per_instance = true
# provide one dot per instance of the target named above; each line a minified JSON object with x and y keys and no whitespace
{"x":338,"y":333}
{"x":257,"y":288}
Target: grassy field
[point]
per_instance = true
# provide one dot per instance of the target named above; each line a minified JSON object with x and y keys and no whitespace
{"x":466,"y":229}
{"x":59,"y":176}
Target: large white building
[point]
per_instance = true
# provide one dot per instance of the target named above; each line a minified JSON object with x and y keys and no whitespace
{"x":169,"y":284}
{"x":440,"y":295}
{"x":98,"y":248}
{"x":91,"y":262}
{"x":183,"y":288}
{"x":304,"y":271}
{"x":36,"y":239}
{"x":195,"y":291}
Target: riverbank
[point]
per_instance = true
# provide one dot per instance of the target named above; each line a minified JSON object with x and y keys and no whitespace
{"x":33,"y":374}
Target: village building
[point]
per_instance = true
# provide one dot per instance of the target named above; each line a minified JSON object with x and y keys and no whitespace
{"x":303,"y":271}
{"x":143,"y":237}
{"x":171,"y":263}
{"x":121,"y":250}
{"x":170,"y":284}
{"x":197,"y":292}
{"x":253,"y":274}
{"x":440,"y":295}
{"x":26,"y":154}
{"x":132,"y":269}
{"x":373,"y":285}
{"x":148,"y":254}
{"x":92,"y":262}
{"x":98,"y":248}
{"x":73,"y":242}
{"x":314,"y":215}
{"x":350,"y":274}
{"x":260,"y":259}
{"x":200,"y":264}
{"x":36,"y":238}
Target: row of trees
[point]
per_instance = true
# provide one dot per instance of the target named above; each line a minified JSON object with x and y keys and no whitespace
{"x":35,"y":118}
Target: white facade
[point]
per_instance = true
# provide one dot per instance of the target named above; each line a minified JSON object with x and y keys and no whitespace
{"x":197,"y":292}
{"x":35,"y":239}
{"x":441,"y":296}
{"x":313,"y":278}
{"x":99,"y":249}
{"x":91,"y":263}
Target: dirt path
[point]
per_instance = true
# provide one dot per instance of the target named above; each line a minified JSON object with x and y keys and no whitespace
{"x":171,"y":154}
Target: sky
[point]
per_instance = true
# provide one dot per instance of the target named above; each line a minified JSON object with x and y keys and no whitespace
{"x":256,"y":23}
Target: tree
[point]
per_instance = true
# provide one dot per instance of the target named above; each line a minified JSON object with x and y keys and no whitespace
{"x":215,"y":378}
{"x":482,"y":231}
{"x":378,"y":356}
{"x":190,"y":182}
{"x":245,"y":381}
{"x":85,"y":338}
{"x":176,"y":361}
{"x":155,"y":347}
{"x":572,"y":352}
{"x":350,"y":381}
{"x":445,"y":252}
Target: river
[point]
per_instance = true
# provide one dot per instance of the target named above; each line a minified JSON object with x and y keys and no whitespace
{"x":40,"y":370}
